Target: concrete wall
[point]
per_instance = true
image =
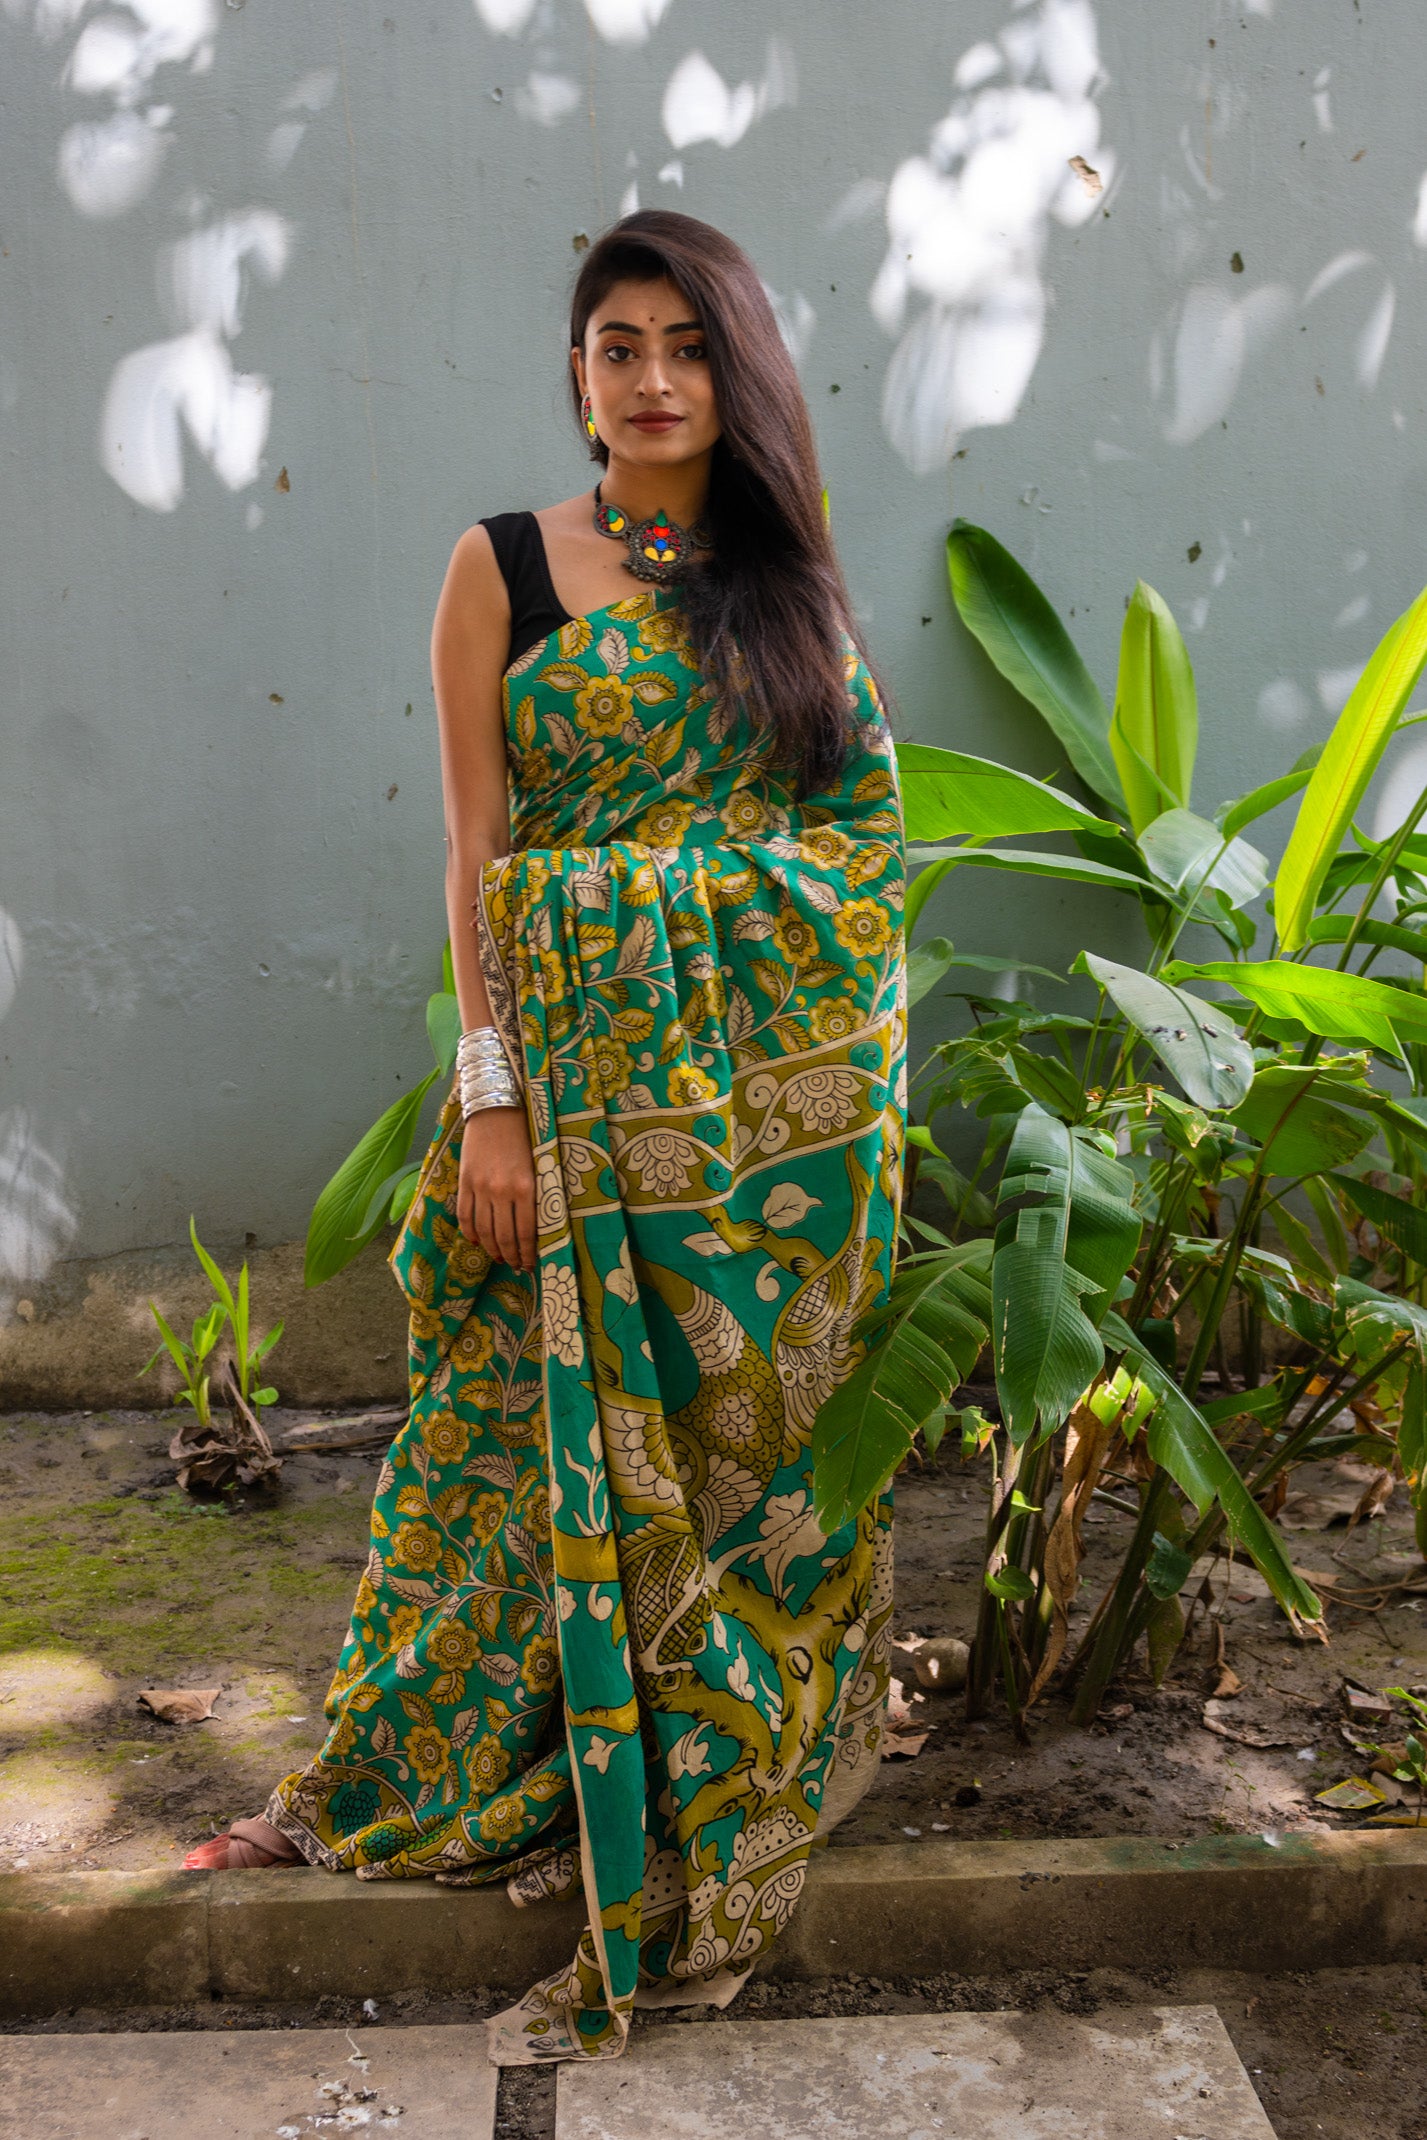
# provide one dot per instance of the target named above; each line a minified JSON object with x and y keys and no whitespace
{"x":280,"y":313}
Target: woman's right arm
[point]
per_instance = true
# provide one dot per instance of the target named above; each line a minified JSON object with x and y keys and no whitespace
{"x":496,"y":1198}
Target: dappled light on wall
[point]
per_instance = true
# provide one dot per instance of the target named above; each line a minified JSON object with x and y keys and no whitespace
{"x":968,"y":224}
{"x":189,"y":381}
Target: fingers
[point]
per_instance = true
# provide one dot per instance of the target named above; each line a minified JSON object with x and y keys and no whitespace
{"x":505,"y":1228}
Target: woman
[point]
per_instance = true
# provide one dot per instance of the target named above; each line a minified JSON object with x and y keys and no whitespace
{"x":601,"y":1637}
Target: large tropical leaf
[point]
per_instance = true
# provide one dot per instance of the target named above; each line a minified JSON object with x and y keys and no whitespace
{"x":1386,"y":935}
{"x":1187,"y":851}
{"x":1198,"y":1043}
{"x":1337,"y":1006}
{"x":342,"y":1218}
{"x":1350,"y":757}
{"x":1396,"y":1218}
{"x":1181,"y":1440}
{"x":1154,"y":734}
{"x":935,"y":956}
{"x":1245,"y":809}
{"x":1025,"y":862}
{"x":922,"y":1344}
{"x":1002,"y":605}
{"x":1066,"y":1238}
{"x":948,"y":795}
{"x":1293,"y":1114}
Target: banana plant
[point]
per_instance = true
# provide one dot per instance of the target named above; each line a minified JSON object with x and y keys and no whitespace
{"x":375,"y":1183}
{"x":1219,"y":1159}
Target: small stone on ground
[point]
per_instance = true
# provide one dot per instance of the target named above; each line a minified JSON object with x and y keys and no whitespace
{"x":255,"y":2084}
{"x":1136,"y":2073}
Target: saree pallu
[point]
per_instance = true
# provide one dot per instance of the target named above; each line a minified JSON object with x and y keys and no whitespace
{"x":601,"y":1637}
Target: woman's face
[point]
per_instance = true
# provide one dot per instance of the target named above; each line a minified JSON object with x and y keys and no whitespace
{"x":646,"y":372}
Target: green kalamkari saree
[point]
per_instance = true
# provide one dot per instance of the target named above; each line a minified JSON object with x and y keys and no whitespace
{"x":601,"y":1637}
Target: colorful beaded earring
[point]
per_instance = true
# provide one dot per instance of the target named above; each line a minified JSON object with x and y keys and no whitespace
{"x":587,"y":418}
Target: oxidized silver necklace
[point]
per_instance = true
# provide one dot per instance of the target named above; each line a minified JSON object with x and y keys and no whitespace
{"x":658,"y":549}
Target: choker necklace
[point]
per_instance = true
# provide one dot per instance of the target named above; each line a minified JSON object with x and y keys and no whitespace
{"x":659,"y":549}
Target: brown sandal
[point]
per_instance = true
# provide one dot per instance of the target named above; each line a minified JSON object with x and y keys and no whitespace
{"x":247,"y":1845}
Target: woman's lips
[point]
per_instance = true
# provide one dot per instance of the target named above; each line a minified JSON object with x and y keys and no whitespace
{"x":655,"y":423}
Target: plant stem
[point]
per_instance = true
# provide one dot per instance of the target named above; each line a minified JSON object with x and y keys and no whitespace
{"x":1384,"y":869}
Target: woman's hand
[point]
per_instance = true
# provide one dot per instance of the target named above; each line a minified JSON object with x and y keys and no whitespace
{"x":495,"y":1203}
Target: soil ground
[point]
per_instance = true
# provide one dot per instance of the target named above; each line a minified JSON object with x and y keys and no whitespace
{"x":111,"y":1580}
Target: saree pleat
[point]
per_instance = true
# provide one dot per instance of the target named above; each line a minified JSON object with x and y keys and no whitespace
{"x":601,"y":1637}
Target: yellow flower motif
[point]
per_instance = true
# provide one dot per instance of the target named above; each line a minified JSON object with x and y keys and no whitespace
{"x":537,"y":769}
{"x":502,"y":1821}
{"x":453,"y":1646}
{"x":429,"y":1752}
{"x":603,"y":706}
{"x":666,"y":633}
{"x":536,"y":1514}
{"x":689,"y":1087}
{"x":796,"y":937}
{"x":470,"y":1353}
{"x":612,"y":1064}
{"x":825,"y":847}
{"x":540,"y":1666}
{"x":833,"y":1019}
{"x":447,"y":1437}
{"x":537,"y":876}
{"x":487,"y":1516}
{"x":744,"y":815}
{"x":404,"y":1626}
{"x":862,"y":928}
{"x":665,"y":823}
{"x":417,"y":1546}
{"x":364,"y":1601}
{"x":340,"y":1740}
{"x":608,"y":774}
{"x":487,"y":1765}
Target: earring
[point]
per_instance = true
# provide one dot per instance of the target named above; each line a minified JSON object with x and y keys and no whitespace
{"x":587,"y":418}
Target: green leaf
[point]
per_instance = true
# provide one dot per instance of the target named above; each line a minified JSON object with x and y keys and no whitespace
{"x":1024,"y":862}
{"x":1183,"y":849}
{"x":1196,"y":1041}
{"x":1350,"y":758}
{"x":1246,"y":809}
{"x":947,"y":795}
{"x":379,"y":1202}
{"x":1181,"y":1441}
{"x":402,"y":1194}
{"x":987,"y":962}
{"x":335,"y":1234}
{"x":1387,"y":935}
{"x":1300,"y":1127}
{"x":1168,"y":1568}
{"x":926,"y":963}
{"x":1058,"y":1263}
{"x":1396,"y":1218}
{"x":443,"y":1030}
{"x":1011,"y":1585}
{"x":1338,"y":1006}
{"x":1001,"y":604}
{"x":1154,"y":733}
{"x":210,"y":1269}
{"x":179,"y":1353}
{"x":921,"y":1345}
{"x":1164,"y":1631}
{"x":448,"y":970}
{"x":264,"y":1396}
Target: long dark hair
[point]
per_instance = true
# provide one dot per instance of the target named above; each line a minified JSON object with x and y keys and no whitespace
{"x":768,"y":612}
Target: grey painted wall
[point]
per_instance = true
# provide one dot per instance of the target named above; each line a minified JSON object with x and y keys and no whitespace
{"x":334,"y":238}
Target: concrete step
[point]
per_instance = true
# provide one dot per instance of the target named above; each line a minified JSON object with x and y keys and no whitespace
{"x":1146,"y":2073}
{"x":249,"y":2084}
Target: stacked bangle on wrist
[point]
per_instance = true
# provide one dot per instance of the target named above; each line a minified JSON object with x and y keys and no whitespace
{"x":483,"y":1072}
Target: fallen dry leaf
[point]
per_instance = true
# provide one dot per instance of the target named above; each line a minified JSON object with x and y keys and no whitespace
{"x":179,"y":1705}
{"x":901,"y":1738}
{"x":1227,"y":1685}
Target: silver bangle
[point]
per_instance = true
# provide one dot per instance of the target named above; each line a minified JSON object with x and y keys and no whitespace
{"x":483,"y":1072}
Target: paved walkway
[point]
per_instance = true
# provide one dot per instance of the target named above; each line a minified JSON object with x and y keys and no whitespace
{"x":252,"y":2084}
{"x":1156,"y":2073}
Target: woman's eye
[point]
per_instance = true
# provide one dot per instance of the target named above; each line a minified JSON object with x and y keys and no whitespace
{"x":694,"y":350}
{"x":618,"y":351}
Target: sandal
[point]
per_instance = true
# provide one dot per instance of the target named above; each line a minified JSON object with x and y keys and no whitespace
{"x":247,"y":1845}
